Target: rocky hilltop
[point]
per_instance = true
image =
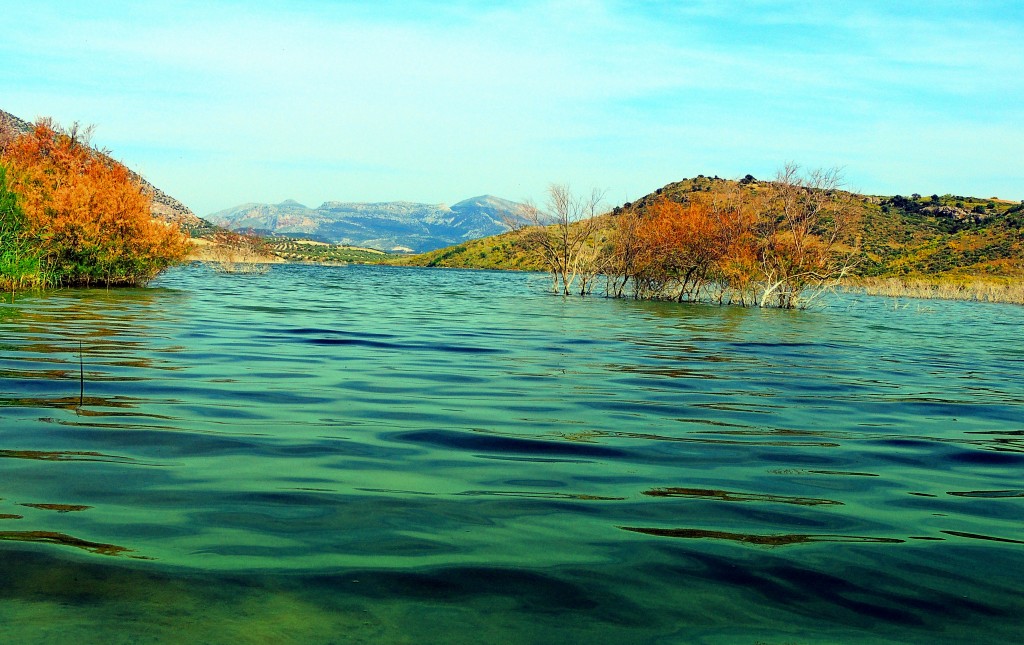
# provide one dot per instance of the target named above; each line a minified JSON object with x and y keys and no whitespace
{"x":388,"y":226}
{"x":164,"y":206}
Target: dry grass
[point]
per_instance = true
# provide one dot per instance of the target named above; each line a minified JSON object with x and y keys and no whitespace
{"x":1007,"y":290}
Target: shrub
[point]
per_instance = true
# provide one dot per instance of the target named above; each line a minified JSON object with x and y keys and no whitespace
{"x":85,"y":218}
{"x":19,"y":262}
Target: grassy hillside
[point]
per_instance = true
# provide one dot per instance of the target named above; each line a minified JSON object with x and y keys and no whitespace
{"x":506,"y":251}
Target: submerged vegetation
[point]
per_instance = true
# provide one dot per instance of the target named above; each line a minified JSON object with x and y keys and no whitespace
{"x":776,"y":244}
{"x":69,"y":215}
{"x":977,"y":288}
{"x":229,"y":252}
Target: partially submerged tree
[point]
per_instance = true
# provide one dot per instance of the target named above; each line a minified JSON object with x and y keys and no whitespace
{"x":629,"y":256}
{"x":800,"y":230}
{"x":565,"y":231}
{"x":687,"y":242}
{"x":759,"y":243}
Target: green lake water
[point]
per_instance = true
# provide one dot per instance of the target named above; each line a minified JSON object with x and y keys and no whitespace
{"x":385,"y":455}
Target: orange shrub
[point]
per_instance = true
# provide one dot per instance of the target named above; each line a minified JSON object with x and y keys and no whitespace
{"x":687,"y":245}
{"x":89,"y":221}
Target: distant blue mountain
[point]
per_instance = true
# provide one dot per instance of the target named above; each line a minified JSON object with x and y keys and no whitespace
{"x":388,"y":226}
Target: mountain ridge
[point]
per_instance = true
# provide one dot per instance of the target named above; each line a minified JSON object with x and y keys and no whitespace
{"x":402,"y":226}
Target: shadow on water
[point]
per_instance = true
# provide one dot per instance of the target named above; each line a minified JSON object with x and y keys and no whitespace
{"x":761,"y":540}
{"x":659,"y":595}
{"x":728,"y":496}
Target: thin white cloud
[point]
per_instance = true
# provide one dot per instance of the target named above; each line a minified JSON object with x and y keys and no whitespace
{"x":323,"y":100}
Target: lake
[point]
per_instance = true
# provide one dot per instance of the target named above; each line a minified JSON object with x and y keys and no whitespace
{"x":388,"y":455}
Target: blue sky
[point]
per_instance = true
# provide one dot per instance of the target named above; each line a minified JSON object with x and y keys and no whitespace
{"x":223,"y":102}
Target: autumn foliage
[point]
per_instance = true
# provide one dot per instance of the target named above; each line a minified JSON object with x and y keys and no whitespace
{"x":79,"y":218}
{"x":775,"y":244}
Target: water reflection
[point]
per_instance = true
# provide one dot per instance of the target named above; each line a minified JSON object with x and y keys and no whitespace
{"x":728,"y":496}
{"x":760,"y":540}
{"x":976,"y":536}
{"x":991,"y":494}
{"x":51,"y":537}
{"x":52,"y":455}
{"x":543,"y":495}
{"x":59,"y":508}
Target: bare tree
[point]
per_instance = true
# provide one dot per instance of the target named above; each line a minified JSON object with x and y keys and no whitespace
{"x":565,"y":231}
{"x":629,"y":256}
{"x":803,"y":219}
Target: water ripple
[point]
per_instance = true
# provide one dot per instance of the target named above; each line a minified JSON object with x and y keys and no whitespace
{"x":475,"y":451}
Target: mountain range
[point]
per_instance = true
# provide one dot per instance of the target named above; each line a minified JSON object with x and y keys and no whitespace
{"x":388,"y":226}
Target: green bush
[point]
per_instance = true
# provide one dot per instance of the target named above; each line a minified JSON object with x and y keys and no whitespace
{"x":19,"y":262}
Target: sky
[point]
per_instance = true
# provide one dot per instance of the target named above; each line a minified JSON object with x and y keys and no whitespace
{"x":223,"y":102}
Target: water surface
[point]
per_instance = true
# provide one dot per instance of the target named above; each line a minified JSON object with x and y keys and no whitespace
{"x":367,"y":454}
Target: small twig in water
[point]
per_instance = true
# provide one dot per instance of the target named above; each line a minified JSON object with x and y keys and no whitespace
{"x":81,"y":376}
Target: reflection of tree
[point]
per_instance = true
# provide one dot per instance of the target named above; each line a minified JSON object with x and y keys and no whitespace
{"x":45,"y":336}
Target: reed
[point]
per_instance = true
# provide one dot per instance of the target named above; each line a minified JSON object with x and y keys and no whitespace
{"x":1005,"y":290}
{"x":81,"y":375}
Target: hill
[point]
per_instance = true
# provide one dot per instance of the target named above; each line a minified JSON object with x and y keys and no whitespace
{"x":938,"y":235}
{"x":915,"y":235}
{"x":389,"y":226}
